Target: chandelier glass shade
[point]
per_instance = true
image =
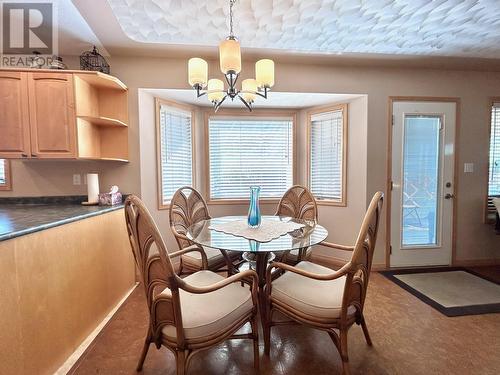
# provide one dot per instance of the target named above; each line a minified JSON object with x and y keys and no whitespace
{"x":230,"y":66}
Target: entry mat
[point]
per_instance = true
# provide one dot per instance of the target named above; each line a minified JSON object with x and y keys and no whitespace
{"x":451,"y":291}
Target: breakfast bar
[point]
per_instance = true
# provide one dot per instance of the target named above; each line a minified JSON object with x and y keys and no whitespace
{"x":63,"y":268}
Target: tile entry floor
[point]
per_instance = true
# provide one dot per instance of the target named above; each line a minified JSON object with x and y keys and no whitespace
{"x":409,"y":337}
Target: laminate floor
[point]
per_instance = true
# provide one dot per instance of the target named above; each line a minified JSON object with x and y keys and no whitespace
{"x":409,"y":337}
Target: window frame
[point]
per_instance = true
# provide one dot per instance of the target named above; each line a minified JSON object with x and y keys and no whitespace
{"x":159,"y":173}
{"x":8,"y":176}
{"x":344,"y":108}
{"x":488,"y":219}
{"x":209,"y":114}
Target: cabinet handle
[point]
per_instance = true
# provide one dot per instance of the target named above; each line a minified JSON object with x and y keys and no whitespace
{"x":34,"y":155}
{"x":24,"y":155}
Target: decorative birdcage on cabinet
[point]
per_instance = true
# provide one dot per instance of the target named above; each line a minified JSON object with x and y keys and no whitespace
{"x":94,"y":61}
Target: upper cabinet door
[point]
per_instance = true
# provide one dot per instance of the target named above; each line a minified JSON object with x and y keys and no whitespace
{"x":14,"y":115}
{"x":52,"y":115}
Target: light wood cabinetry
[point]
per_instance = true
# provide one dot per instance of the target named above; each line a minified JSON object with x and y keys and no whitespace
{"x":56,"y":286}
{"x":52,"y":115}
{"x":14,"y":115}
{"x":63,"y":115}
{"x":102,"y":117}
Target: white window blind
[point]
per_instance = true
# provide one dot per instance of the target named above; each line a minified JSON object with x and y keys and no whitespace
{"x":494,"y":173}
{"x":326,"y":155}
{"x":247,"y":152}
{"x":3,"y":177}
{"x":176,"y":159}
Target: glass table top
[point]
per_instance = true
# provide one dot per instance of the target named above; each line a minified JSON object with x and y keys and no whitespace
{"x":309,"y":235}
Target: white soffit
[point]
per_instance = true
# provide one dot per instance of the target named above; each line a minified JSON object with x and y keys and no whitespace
{"x":275,"y":99}
{"x":467,"y":28}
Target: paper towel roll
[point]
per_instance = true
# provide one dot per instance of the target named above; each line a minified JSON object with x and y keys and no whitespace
{"x":93,"y":187}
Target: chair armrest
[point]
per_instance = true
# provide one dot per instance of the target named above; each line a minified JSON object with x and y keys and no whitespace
{"x":204,"y":261}
{"x":317,"y":276}
{"x":336,"y":246}
{"x":178,"y":235}
{"x":220,"y":284}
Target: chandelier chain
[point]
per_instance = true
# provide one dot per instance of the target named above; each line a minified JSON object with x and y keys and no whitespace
{"x":231,"y":3}
{"x":230,"y":64}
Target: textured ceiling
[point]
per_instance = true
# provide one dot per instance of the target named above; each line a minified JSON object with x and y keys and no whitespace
{"x":408,"y":27}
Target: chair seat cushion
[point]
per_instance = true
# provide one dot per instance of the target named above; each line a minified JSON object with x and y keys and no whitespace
{"x":215,"y":258}
{"x":315,"y":298}
{"x":209,"y":313}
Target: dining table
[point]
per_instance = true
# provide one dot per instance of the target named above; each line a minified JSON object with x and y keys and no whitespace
{"x":258,"y":252}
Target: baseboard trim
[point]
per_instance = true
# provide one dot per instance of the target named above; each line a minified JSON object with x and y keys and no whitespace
{"x":80,"y":351}
{"x":476,"y":262}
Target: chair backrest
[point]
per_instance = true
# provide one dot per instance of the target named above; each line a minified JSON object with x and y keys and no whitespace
{"x":154,"y":264}
{"x":299,"y":203}
{"x":361,"y":261}
{"x":187,"y":207}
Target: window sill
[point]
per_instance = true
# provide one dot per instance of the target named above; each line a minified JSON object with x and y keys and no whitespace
{"x":328,"y":202}
{"x":165,"y":206}
{"x":223,"y":201}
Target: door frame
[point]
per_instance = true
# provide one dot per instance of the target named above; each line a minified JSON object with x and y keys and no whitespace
{"x":391,"y":101}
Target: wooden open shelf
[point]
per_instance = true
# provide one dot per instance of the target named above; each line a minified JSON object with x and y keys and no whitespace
{"x":102,"y":142}
{"x":102,"y":117}
{"x":103,"y":121}
{"x":102,"y":80}
{"x":107,"y":159}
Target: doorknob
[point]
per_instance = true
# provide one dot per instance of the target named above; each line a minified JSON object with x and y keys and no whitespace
{"x":449,"y":196}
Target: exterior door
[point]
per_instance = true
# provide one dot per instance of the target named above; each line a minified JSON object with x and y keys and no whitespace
{"x":14,"y":115}
{"x":423,"y":156}
{"x":52,"y":115}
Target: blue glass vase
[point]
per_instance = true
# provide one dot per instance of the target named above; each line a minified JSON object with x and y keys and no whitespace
{"x":254,"y":217}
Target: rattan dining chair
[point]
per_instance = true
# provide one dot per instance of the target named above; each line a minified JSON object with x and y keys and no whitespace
{"x":297,"y":202}
{"x":322,"y":298}
{"x":188,"y":207}
{"x":191,"y":314}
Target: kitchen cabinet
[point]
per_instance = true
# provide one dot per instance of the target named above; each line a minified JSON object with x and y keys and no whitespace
{"x":14,"y":115}
{"x":63,"y":115}
{"x":52,"y":115}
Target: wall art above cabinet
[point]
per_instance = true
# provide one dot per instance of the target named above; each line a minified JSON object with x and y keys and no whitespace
{"x":63,"y":115}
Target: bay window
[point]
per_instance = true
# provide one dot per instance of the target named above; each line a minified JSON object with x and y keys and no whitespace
{"x":174,"y":149}
{"x":327,"y":130}
{"x":247,"y":151}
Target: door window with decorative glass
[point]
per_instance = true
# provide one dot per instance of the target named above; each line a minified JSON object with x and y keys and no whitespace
{"x":174,"y":149}
{"x":327,"y":154}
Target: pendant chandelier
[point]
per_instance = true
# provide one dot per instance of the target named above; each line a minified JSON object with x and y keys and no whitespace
{"x":230,"y":65}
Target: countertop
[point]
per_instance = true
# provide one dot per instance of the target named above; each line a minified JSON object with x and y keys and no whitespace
{"x":18,"y":219}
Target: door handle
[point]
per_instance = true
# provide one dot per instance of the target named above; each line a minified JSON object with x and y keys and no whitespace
{"x":449,"y":196}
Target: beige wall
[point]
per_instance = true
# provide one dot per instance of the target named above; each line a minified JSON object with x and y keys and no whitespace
{"x":475,"y":241}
